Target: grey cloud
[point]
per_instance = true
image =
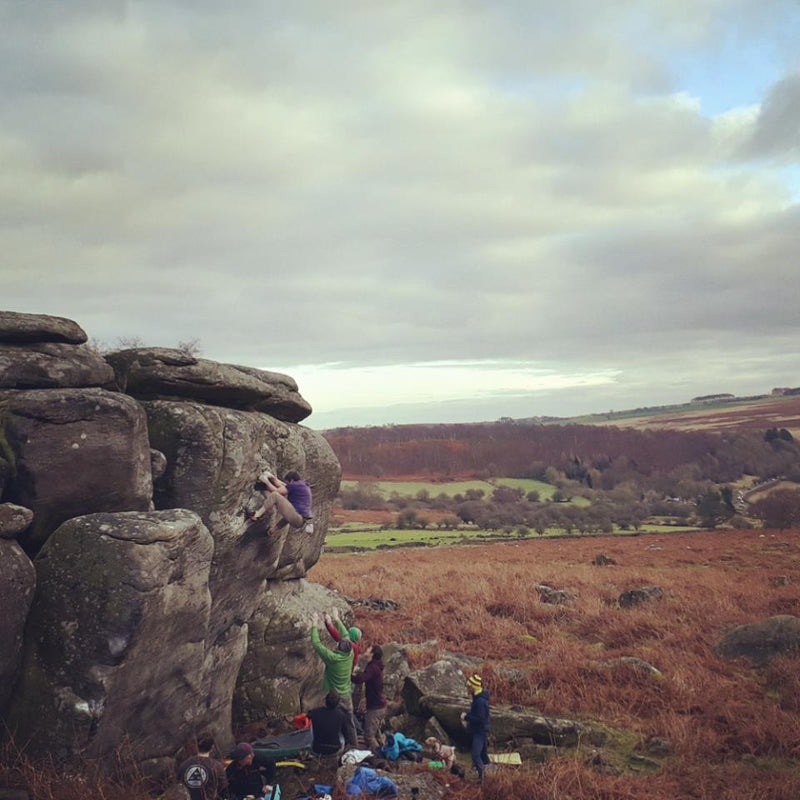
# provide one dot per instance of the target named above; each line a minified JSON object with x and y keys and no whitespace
{"x":381,"y":183}
{"x":777,"y":129}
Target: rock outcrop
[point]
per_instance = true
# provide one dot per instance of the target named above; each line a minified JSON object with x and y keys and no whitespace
{"x":130,"y":484}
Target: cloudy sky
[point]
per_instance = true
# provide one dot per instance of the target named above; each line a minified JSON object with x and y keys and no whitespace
{"x":423,"y":211}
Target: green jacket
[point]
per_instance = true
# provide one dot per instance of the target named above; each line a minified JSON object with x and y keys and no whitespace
{"x":338,"y":666}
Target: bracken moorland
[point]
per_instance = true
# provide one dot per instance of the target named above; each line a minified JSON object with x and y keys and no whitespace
{"x":734,"y":731}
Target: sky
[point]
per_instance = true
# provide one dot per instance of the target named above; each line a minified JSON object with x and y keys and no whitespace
{"x":423,"y":212}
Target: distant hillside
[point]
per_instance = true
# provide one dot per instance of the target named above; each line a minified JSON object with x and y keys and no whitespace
{"x":709,"y":413}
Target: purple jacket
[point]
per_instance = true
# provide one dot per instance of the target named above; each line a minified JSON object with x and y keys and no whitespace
{"x":298,"y":494}
{"x":372,"y":678}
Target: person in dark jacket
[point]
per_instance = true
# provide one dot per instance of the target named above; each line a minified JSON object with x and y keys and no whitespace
{"x":330,"y":726}
{"x":372,"y":678}
{"x":244,"y":777}
{"x":203,"y":775}
{"x":477,"y":718}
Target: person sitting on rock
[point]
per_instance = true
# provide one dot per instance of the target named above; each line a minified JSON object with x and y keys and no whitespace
{"x":244,"y":778}
{"x":290,"y":496}
{"x":329,"y":726}
{"x":203,"y":775}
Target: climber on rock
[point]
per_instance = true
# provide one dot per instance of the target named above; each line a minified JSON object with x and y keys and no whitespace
{"x":290,"y":496}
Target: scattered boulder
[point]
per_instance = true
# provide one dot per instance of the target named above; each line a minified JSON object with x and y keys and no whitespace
{"x":635,"y":597}
{"x":17,"y":584}
{"x":637,"y":664}
{"x":163,"y":373}
{"x":14,"y":520}
{"x":51,"y":365}
{"x":19,"y":328}
{"x":555,"y":597}
{"x":762,"y":641}
{"x":658,"y":746}
{"x":602,"y":560}
{"x":780,"y":580}
{"x":75,"y":451}
{"x":374,"y":603}
{"x":116,"y":650}
{"x":440,"y":678}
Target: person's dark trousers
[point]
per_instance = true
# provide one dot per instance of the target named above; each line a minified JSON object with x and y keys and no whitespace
{"x":480,"y":758}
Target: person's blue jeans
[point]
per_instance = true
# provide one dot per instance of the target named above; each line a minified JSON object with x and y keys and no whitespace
{"x":480,"y":758}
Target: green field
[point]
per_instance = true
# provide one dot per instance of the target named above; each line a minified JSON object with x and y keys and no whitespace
{"x":369,"y":539}
{"x":411,"y":488}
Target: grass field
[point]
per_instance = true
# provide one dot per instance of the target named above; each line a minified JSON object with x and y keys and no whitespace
{"x":732,"y":730}
{"x":412,"y":488}
{"x":365,"y":537}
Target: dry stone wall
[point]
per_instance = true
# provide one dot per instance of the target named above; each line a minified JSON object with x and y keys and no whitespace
{"x":126,"y":481}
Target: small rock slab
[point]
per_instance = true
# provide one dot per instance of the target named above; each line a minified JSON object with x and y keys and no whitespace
{"x":635,"y":597}
{"x":14,"y":519}
{"x":152,"y":373}
{"x":18,"y":328}
{"x":509,"y":723}
{"x":762,"y":641}
{"x":51,"y":365}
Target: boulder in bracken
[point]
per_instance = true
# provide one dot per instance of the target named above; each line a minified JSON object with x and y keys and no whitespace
{"x":762,"y":641}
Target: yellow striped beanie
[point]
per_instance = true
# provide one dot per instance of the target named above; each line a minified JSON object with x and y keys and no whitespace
{"x":475,"y":683}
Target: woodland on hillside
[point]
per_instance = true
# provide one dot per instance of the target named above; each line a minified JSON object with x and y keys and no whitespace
{"x":624,"y":476}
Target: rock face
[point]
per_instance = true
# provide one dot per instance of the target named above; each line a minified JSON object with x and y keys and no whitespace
{"x":153,"y":372}
{"x":18,"y":328}
{"x":214,"y":455}
{"x":17,"y":583}
{"x":281,"y":673}
{"x":51,"y":365}
{"x":119,"y":652}
{"x":762,"y":641}
{"x":74,"y":451}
